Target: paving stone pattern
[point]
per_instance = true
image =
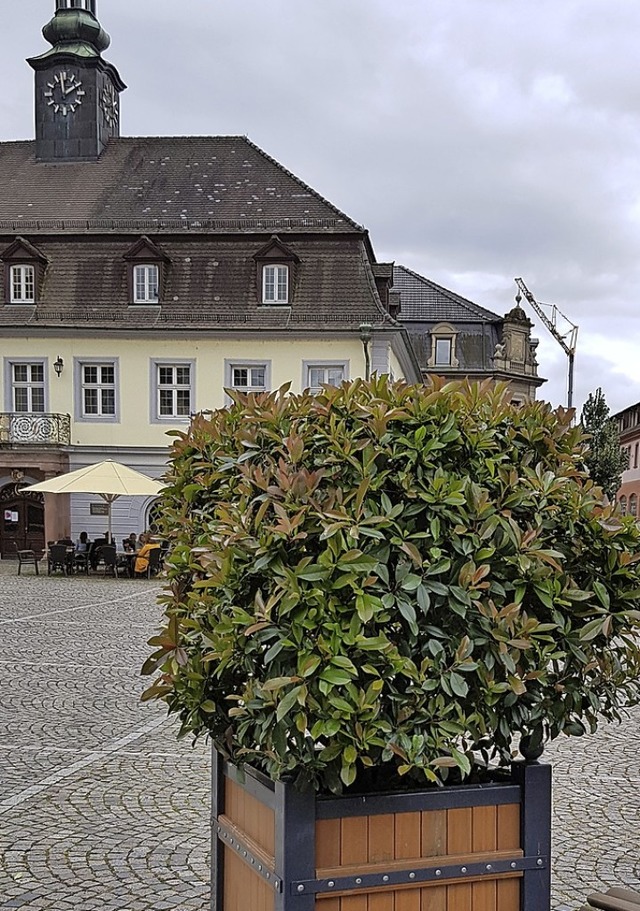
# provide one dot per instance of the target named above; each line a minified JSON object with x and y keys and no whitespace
{"x":102,"y":808}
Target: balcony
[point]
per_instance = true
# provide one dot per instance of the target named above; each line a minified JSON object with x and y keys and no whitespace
{"x":35,"y":429}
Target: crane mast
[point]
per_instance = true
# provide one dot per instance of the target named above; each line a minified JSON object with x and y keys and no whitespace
{"x":567,"y":340}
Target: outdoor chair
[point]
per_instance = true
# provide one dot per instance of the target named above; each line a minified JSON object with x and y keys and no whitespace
{"x":28,"y":558}
{"x":155,"y":561}
{"x":81,"y":561}
{"x":615,"y":900}
{"x":108,"y":555}
{"x":58,"y":559}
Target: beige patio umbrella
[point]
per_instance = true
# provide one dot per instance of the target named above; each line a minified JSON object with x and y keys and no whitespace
{"x":107,"y":479}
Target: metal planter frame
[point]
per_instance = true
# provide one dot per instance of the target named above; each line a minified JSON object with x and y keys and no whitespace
{"x":291,"y":872}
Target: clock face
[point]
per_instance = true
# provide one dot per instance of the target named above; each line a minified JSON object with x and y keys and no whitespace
{"x":65,"y":93}
{"x":109,"y":104}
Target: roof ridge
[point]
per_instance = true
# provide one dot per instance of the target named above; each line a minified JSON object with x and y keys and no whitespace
{"x":306,"y":186}
{"x":452,"y":295}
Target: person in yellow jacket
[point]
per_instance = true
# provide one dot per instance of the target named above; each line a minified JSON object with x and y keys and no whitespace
{"x":142,"y":557}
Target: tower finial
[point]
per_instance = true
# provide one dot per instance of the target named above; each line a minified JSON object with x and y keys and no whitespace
{"x":75,"y":23}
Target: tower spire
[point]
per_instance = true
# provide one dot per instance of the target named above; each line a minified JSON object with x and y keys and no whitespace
{"x":77,"y":90}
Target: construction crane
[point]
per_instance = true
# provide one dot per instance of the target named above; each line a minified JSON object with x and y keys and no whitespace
{"x":567,"y":339}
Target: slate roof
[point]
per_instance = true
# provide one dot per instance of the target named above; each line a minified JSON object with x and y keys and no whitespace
{"x":208,"y":183}
{"x":210,"y":204}
{"x":424,"y":301}
{"x":211,"y":283}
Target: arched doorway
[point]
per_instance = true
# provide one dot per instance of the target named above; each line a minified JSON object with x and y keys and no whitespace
{"x":21,"y":520}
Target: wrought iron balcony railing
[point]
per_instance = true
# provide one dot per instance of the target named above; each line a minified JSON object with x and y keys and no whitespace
{"x":43,"y":429}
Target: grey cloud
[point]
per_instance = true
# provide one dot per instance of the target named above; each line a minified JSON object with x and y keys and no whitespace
{"x":476,"y":139}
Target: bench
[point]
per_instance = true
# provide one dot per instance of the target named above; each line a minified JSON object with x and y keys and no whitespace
{"x":615,"y":900}
{"x":28,"y":558}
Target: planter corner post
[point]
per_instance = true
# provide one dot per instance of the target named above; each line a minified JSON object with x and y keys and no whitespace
{"x":534,"y":779}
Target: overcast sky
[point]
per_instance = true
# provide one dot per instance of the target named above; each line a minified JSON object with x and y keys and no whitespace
{"x":477,"y":140}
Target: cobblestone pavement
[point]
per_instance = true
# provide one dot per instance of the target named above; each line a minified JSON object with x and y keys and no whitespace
{"x":102,"y":808}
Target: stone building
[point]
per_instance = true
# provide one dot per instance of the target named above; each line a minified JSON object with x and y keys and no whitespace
{"x":628,"y":421}
{"x":141,"y":277}
{"x":454,"y":337}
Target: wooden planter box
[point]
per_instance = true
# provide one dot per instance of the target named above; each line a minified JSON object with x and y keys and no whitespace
{"x":466,"y":848}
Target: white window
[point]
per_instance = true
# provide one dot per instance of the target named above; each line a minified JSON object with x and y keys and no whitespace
{"x":443,"y":351}
{"x":319,"y":374}
{"x":633,"y":505}
{"x":249,"y":378}
{"x":443,"y":346}
{"x":146,"y":282}
{"x":98,"y":390}
{"x":173,"y":390}
{"x":23,"y":284}
{"x":28,"y":387}
{"x":275,"y":285}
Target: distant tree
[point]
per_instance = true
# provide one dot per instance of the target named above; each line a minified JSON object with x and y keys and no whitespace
{"x":605,"y":460}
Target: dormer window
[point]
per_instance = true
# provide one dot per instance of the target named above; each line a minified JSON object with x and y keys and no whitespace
{"x":443,"y":346}
{"x":24,"y":268}
{"x":276,"y":266}
{"x":22,"y":283}
{"x":146,"y":284}
{"x":148,"y":266}
{"x":275,"y":284}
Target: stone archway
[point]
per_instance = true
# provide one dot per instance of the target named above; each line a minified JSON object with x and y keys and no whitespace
{"x":21,"y":520}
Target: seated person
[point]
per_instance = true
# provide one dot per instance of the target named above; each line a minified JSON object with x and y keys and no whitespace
{"x":130,"y":544}
{"x":94,"y":551}
{"x":82,"y":544}
{"x":142,"y":557}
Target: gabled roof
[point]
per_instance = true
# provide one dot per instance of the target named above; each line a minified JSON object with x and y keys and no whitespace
{"x":221,"y":184}
{"x":425,"y":301}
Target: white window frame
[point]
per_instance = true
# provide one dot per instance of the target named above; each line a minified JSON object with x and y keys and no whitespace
{"x":145,"y":270}
{"x":10,"y":384}
{"x":231,"y":365}
{"x":325,"y":365}
{"x":25,"y":274}
{"x":80,"y":386}
{"x":443,"y":332}
{"x":443,"y":358}
{"x":280,"y":288}
{"x":156,"y":388}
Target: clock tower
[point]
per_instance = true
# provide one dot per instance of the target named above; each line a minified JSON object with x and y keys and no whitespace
{"x":77,"y":92}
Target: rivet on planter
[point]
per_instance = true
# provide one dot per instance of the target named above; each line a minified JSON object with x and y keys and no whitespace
{"x":244,"y":853}
{"x":276,"y":883}
{"x":252,"y":861}
{"x":385,"y":879}
{"x":412,"y":876}
{"x":331,"y":884}
{"x":463,"y":869}
{"x":540,"y":862}
{"x":358,"y":880}
{"x":438,"y":872}
{"x":513,"y":865}
{"x":260,"y":867}
{"x":489,"y":867}
{"x":300,"y":888}
{"x":268,"y":876}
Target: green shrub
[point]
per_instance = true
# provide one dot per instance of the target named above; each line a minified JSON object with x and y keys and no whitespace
{"x":391,"y":577}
